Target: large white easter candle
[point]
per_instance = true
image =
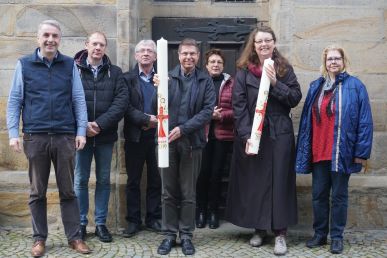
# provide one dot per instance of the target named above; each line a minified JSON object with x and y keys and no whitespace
{"x":260,"y":109}
{"x":162,"y":103}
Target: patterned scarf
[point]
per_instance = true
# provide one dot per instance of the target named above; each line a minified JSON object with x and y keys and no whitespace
{"x":325,"y":89}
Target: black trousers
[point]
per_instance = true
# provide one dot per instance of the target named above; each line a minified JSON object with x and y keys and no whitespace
{"x":136,"y":154}
{"x":208,"y":188}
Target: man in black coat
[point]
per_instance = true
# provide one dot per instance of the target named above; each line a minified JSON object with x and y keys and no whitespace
{"x":191,"y":100}
{"x":139,"y":131}
{"x":106,"y":99}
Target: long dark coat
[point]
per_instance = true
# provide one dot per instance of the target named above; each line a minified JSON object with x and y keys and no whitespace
{"x":262,"y":188}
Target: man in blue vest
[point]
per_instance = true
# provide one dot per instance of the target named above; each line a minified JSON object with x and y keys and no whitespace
{"x":140,"y":145}
{"x":47,"y":91}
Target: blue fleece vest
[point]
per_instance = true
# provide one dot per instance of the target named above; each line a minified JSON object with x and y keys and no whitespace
{"x":47,"y":106}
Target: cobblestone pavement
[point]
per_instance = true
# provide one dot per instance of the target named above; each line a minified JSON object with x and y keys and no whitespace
{"x":227,"y":241}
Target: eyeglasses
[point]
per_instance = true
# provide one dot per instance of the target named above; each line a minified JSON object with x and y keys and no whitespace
{"x":215,"y":61}
{"x":143,"y":50}
{"x":259,"y":42}
{"x":188,"y":53}
{"x":334,"y":59}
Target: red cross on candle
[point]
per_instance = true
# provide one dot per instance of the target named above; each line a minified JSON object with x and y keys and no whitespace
{"x":161,"y":117}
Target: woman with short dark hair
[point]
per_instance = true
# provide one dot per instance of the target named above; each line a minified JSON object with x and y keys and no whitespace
{"x":220,"y":139}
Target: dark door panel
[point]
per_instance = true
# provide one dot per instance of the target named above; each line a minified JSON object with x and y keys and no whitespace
{"x":227,"y":34}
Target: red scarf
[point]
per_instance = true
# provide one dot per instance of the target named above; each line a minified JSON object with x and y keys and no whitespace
{"x":255,"y":69}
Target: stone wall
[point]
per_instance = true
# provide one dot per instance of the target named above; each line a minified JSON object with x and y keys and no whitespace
{"x":303,"y":29}
{"x":19,"y":21}
{"x":306,"y":27}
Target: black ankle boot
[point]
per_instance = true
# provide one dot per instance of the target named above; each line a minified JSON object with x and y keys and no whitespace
{"x":316,"y":241}
{"x":214,"y":220}
{"x":201,"y":219}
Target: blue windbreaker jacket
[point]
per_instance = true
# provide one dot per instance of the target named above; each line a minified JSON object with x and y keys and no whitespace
{"x":353,"y":127}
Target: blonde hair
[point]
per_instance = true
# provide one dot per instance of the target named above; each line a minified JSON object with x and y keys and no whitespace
{"x":323,"y":68}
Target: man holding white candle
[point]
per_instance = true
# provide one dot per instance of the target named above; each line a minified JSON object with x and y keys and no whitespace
{"x":191,"y":102}
{"x":140,"y":147}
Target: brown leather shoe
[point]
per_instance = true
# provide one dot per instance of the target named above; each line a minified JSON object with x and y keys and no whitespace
{"x":38,"y":248}
{"x":80,"y":246}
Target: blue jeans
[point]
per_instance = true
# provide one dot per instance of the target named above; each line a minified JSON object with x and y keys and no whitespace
{"x":103,"y":157}
{"x":324,"y":180}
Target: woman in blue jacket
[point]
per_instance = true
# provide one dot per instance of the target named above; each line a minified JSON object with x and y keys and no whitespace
{"x":334,"y":140}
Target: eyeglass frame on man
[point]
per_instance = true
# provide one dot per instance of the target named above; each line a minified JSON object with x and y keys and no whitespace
{"x":143,"y":50}
{"x":188,"y":53}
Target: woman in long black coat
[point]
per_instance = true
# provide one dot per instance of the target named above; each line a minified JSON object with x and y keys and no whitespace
{"x":262,"y":188}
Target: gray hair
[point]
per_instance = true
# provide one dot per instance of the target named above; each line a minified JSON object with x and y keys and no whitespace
{"x":53,"y":23}
{"x":147,"y":42}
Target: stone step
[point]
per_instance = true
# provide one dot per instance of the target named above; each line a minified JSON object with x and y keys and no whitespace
{"x":14,"y":197}
{"x":367,"y":201}
{"x":367,"y":208}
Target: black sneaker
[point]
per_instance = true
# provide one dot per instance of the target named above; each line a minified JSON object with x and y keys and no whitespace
{"x":337,"y":246}
{"x":103,"y":233}
{"x":187,"y":247}
{"x":131,"y":230}
{"x":166,"y":246}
